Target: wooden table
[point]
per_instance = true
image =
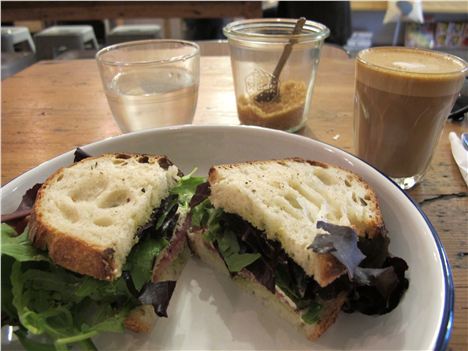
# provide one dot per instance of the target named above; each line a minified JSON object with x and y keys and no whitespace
{"x":90,"y":10}
{"x":54,"y":106}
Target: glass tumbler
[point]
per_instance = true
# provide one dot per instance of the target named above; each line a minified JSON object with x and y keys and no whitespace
{"x":256,"y":47}
{"x":150,"y":83}
{"x":402,"y":99}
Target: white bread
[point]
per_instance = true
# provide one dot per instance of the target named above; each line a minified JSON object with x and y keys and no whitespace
{"x":286,"y":198}
{"x":278,"y":302}
{"x":87,"y":215}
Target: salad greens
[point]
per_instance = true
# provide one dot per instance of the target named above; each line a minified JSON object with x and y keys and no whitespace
{"x":40,"y":298}
{"x":140,"y":261}
{"x":312,"y":314}
{"x":205,"y":215}
{"x":44,"y":299}
{"x":19,"y":247}
{"x":230,"y":248}
{"x":186,"y":188}
{"x":242,"y":246}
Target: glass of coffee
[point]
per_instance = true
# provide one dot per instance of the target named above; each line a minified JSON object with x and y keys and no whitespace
{"x":402,"y":99}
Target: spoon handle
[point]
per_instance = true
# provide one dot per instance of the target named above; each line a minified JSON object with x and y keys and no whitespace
{"x":288,"y":48}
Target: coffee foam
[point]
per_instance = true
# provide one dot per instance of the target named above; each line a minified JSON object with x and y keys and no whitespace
{"x":410,"y":72}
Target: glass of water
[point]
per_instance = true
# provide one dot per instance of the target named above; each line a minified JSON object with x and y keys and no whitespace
{"x":151,"y":83}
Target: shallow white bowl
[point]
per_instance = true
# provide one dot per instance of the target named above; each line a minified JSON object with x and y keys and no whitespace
{"x":209,"y":312}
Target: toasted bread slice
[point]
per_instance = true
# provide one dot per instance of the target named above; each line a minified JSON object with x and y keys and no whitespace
{"x":87,"y":215}
{"x":286,"y":198}
{"x":278,"y":301}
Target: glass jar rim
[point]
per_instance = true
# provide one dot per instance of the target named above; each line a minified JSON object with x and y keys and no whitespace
{"x":312,"y":31}
{"x":101,"y":53}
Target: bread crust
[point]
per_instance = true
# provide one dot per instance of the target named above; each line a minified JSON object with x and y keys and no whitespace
{"x":327,"y":269}
{"x":141,"y":319}
{"x":70,"y":252}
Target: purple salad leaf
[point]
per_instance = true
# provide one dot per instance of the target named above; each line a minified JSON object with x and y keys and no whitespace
{"x":18,"y":218}
{"x":159,"y":295}
{"x":378,"y":290}
{"x":80,"y":154}
{"x":341,"y":242}
{"x":201,"y":193}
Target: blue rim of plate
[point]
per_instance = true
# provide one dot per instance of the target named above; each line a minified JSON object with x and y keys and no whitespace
{"x":446,"y":325}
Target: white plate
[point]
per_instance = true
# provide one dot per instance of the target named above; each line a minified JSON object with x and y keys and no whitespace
{"x":208,"y":311}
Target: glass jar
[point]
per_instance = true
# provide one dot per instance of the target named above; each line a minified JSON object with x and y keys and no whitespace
{"x":256,"y":47}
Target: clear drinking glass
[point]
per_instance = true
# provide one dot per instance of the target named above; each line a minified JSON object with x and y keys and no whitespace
{"x":256,"y":47}
{"x":151,"y":83}
{"x":402,"y":99}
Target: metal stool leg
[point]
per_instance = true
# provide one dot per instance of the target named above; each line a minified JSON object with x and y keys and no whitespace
{"x":7,"y":45}
{"x":31,"y":44}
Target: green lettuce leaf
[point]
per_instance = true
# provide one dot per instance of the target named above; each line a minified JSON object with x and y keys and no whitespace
{"x":141,"y":260}
{"x":229,"y":248}
{"x":99,"y":290}
{"x":19,"y":246}
{"x":186,"y":188}
{"x":312,"y":315}
{"x":206,"y":216}
{"x":50,"y":301}
{"x":51,"y":308}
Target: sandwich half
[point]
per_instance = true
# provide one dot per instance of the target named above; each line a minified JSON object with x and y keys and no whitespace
{"x":103,"y":248}
{"x":306,"y":237}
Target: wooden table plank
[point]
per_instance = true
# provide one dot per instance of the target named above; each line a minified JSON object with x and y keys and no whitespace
{"x":95,"y":10}
{"x":54,"y":106}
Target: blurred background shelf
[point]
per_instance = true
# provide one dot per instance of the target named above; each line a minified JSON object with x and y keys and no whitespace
{"x":428,"y":6}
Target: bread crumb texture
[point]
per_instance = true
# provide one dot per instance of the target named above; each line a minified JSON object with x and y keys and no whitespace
{"x":104,"y":200}
{"x":286,"y":199}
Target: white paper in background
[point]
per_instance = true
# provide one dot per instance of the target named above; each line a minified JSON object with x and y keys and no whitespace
{"x":460,"y":154}
{"x":404,"y":11}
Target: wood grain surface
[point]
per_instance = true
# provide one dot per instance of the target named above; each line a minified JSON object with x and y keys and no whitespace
{"x":88,"y":10}
{"x":54,"y":106}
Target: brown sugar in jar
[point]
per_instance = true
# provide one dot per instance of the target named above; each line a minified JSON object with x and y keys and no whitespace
{"x":285,"y":112}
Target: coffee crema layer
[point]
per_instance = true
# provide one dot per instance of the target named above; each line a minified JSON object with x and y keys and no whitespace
{"x":390,"y":69}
